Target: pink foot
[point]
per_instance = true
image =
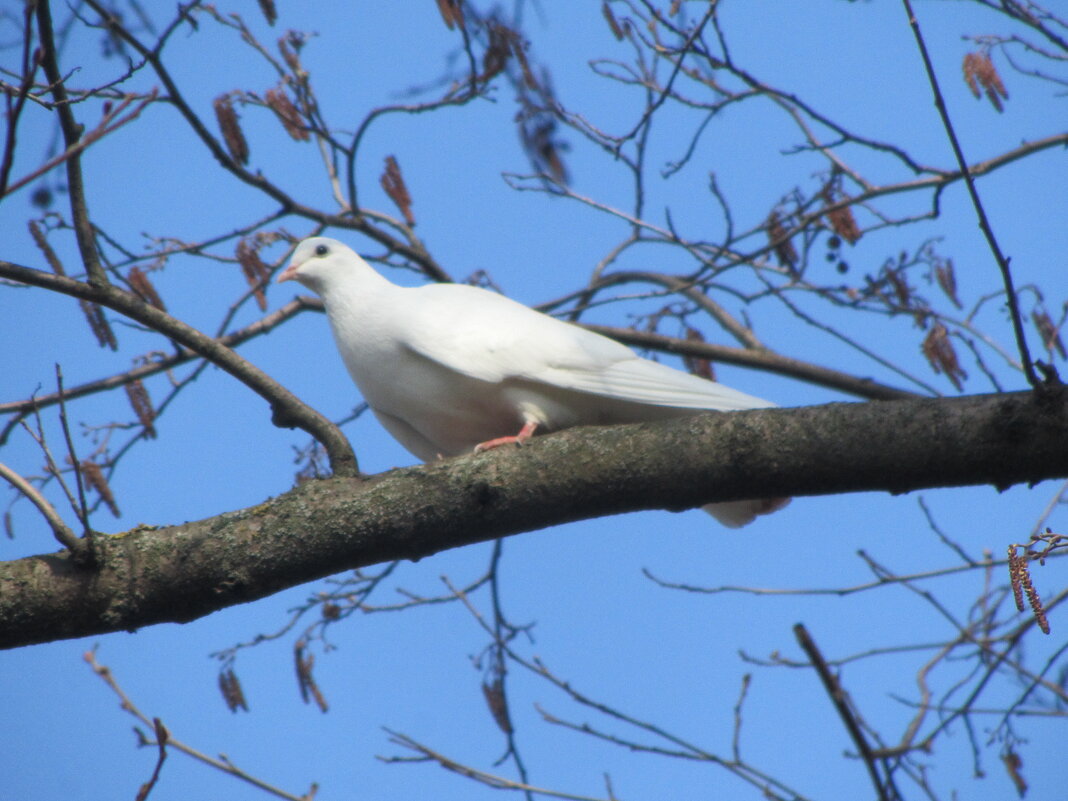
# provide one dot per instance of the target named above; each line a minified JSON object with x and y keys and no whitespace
{"x":525,"y":433}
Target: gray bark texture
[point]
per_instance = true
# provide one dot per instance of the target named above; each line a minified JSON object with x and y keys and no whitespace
{"x":182,"y":572}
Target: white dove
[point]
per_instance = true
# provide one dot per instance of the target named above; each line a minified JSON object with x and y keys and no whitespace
{"x":450,"y":368}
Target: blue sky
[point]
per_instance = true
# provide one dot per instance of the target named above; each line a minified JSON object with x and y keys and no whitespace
{"x":659,"y":655}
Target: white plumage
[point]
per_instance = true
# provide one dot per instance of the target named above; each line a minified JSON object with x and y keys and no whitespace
{"x":448,"y":367}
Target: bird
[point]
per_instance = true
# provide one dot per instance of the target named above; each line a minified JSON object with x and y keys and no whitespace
{"x":452,"y":368}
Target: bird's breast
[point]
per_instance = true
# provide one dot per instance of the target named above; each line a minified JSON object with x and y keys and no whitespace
{"x":451,"y":411}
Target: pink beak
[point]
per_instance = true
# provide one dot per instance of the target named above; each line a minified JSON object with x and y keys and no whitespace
{"x":289,"y":273}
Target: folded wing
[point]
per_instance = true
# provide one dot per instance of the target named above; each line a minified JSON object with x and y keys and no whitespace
{"x":492,"y":338}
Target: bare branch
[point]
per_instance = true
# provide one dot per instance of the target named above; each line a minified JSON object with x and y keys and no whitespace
{"x":223,"y":764}
{"x":842,"y":704}
{"x":67,"y":538}
{"x":108,"y":124}
{"x":160,"y":363}
{"x":482,"y":777}
{"x":288,"y":410}
{"x":71,"y":134}
{"x":81,"y":509}
{"x":984,"y":223}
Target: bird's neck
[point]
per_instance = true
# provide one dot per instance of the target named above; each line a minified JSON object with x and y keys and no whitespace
{"x":358,"y":301}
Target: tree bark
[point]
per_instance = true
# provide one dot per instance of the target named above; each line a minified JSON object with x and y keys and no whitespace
{"x":179,"y":573}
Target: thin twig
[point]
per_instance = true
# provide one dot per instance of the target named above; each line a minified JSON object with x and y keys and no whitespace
{"x":72,"y":133}
{"x":736,"y":736}
{"x":67,"y":538}
{"x":881,"y":581}
{"x":503,"y":631}
{"x":50,"y":465}
{"x":162,"y":736}
{"x":838,"y":697}
{"x":288,"y":410}
{"x":29,"y":65}
{"x":107,"y":125}
{"x":488,"y":779}
{"x":223,"y":764}
{"x":984,"y":222}
{"x":772,"y":788}
{"x":163,"y":363}
{"x":82,"y":510}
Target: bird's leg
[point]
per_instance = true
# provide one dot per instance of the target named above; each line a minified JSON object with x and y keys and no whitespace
{"x":525,"y":433}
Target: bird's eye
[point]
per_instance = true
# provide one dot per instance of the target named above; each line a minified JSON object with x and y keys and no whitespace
{"x":321,"y":250}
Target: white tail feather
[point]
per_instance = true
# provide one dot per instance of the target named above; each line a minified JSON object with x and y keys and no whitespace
{"x":735,"y":514}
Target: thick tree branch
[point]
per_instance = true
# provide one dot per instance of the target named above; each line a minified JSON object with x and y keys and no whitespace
{"x":179,"y":573}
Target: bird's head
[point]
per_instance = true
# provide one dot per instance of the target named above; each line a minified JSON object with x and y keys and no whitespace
{"x":320,"y":260}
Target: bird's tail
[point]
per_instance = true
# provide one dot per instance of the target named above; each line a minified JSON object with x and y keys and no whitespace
{"x":735,"y":514}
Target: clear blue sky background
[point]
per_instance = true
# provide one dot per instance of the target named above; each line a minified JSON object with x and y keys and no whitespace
{"x":659,"y":655}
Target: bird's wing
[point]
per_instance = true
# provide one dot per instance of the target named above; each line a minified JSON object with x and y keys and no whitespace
{"x":643,"y":381}
{"x":492,"y":338}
